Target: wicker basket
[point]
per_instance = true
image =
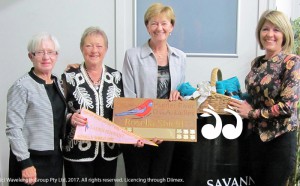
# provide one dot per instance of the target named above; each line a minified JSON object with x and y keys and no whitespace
{"x":217,"y":101}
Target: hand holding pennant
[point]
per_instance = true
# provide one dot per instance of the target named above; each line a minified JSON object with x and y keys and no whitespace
{"x":101,"y":129}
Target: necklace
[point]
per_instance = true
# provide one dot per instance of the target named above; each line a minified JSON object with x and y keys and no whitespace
{"x":159,"y":55}
{"x":96,"y":84}
{"x":160,"y":52}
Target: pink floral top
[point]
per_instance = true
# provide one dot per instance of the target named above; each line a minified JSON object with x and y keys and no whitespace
{"x":273,"y":86}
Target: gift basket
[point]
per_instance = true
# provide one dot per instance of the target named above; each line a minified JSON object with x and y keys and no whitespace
{"x":219,"y":101}
{"x":214,"y":94}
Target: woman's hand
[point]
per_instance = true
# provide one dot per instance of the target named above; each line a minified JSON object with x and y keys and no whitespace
{"x":29,"y":175}
{"x":157,"y":141}
{"x":241,"y":107}
{"x":72,"y":66}
{"x":175,"y":95}
{"x":139,"y":143}
{"x":78,"y":119}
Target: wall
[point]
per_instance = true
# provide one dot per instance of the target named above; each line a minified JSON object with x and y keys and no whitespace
{"x":67,"y":19}
{"x":295,"y":9}
{"x":290,"y":7}
{"x":285,"y":6}
{"x":199,"y":68}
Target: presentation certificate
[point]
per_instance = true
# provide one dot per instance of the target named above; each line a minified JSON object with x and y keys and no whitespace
{"x":157,"y":118}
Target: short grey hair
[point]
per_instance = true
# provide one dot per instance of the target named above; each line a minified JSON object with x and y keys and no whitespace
{"x":37,"y":39}
{"x":91,"y":31}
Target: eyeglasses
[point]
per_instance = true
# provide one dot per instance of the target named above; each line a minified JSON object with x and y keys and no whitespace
{"x":42,"y":53}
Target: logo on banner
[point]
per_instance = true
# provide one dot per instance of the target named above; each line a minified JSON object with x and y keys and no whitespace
{"x":140,"y":111}
{"x":229,"y":131}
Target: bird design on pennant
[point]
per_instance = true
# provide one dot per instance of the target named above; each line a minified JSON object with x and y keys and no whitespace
{"x":141,"y":111}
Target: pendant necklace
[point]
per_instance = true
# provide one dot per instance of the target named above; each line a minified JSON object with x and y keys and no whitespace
{"x":95,"y":84}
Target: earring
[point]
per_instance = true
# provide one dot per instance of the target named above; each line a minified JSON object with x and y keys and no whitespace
{"x":170,"y":33}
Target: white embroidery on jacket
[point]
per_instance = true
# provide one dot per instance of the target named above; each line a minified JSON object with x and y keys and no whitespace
{"x":84,"y":145}
{"x":70,"y":78}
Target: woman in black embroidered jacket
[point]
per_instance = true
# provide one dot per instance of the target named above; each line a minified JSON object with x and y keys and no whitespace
{"x":92,"y":86}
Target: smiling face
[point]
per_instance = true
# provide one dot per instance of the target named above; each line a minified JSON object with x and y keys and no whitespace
{"x":271,"y":39}
{"x":44,"y":57}
{"x":94,"y":49}
{"x":159,"y":27}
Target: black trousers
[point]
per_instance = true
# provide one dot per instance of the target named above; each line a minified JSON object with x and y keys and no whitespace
{"x":272,"y":162}
{"x":49,"y":169}
{"x":148,"y":165}
{"x":97,"y":172}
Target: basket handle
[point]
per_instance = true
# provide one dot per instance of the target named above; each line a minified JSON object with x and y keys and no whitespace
{"x":216,"y":74}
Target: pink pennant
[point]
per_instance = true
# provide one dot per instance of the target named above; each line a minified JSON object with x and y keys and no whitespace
{"x":101,"y":129}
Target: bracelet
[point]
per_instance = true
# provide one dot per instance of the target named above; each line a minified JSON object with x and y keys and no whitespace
{"x":251,"y":114}
{"x":69,"y":116}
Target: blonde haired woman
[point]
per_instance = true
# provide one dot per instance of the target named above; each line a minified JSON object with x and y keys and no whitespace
{"x":153,"y":70}
{"x":273,"y":88}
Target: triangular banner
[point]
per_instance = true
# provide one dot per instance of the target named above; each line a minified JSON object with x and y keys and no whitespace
{"x":100,"y":129}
